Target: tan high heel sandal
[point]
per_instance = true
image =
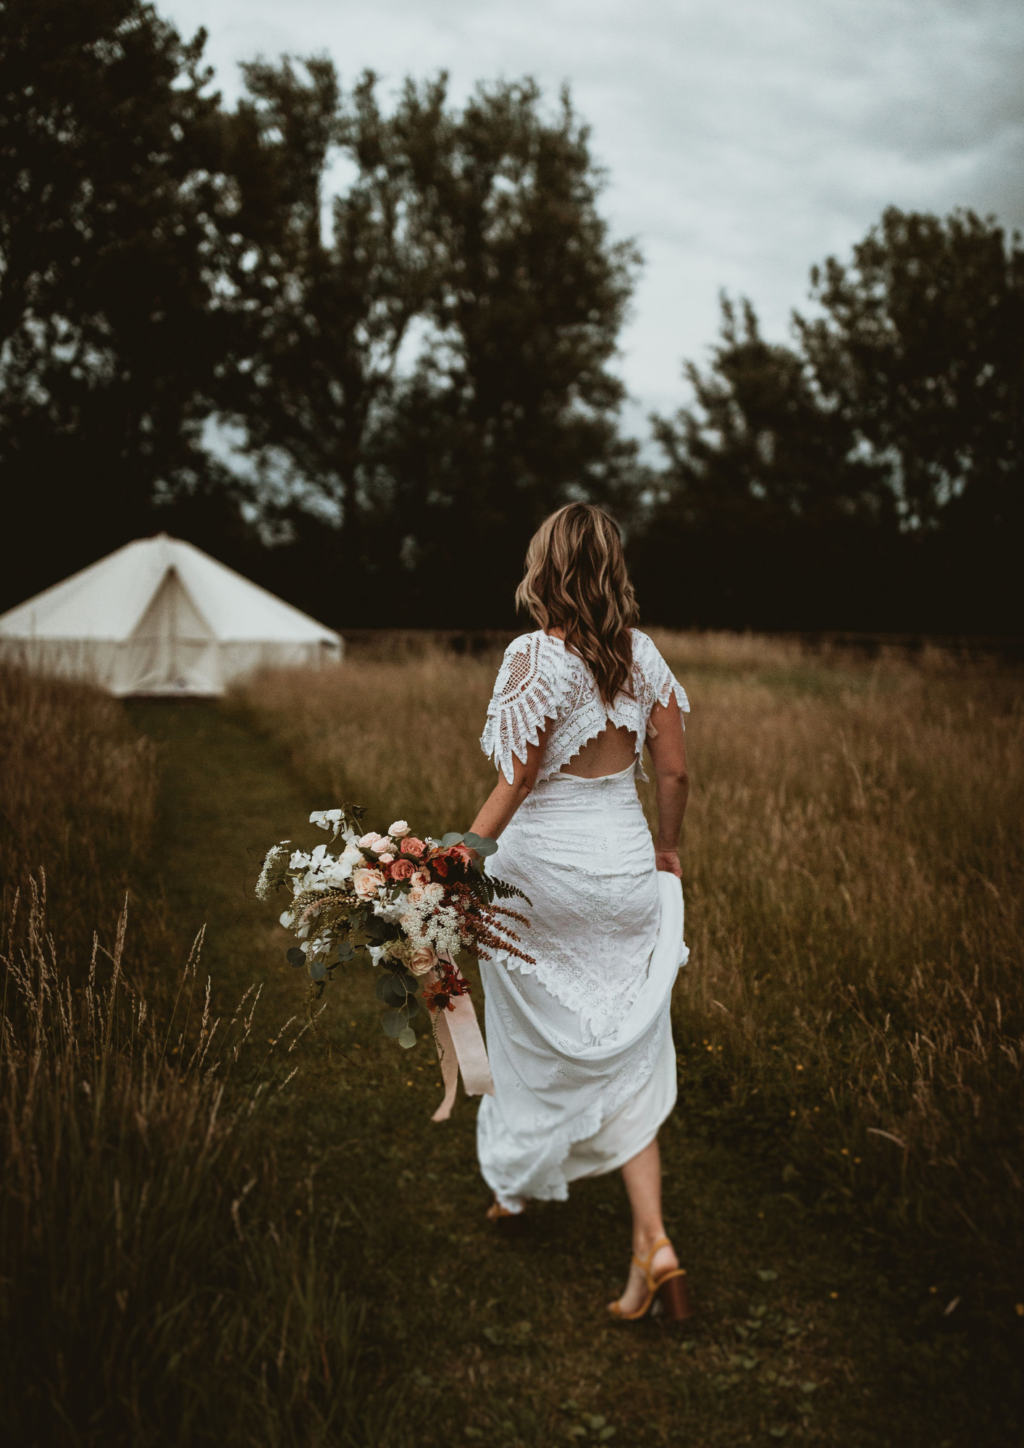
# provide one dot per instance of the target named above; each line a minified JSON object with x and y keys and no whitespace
{"x":670,"y":1290}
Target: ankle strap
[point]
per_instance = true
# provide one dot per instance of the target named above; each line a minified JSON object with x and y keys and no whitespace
{"x":645,"y":1263}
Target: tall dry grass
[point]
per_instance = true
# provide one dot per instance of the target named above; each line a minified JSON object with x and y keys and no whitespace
{"x":77,"y":795}
{"x":853,"y":862}
{"x":154,"y":1289}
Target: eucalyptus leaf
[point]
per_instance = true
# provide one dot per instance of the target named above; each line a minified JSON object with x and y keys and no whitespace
{"x":391,"y":992}
{"x":317,"y":970}
{"x":345,"y":951}
{"x":412,"y":1007}
{"x":295,"y":957}
{"x":450,"y":839}
{"x":487,"y":847}
{"x":407,"y":1037}
{"x":394,"y":1023}
{"x":472,"y":840}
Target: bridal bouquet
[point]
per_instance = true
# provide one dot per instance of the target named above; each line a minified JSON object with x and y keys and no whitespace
{"x":409,"y":904}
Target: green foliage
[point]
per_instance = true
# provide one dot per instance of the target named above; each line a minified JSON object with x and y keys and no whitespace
{"x":473,"y":237}
{"x":157,"y":1283}
{"x":416,"y":369}
{"x":843,"y":481}
{"x":920,"y":351}
{"x":113,"y":200}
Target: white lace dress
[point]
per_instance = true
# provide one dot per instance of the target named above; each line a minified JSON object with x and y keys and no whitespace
{"x":580,"y":1043}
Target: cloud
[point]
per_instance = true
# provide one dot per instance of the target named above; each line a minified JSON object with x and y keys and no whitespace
{"x":743,"y":141}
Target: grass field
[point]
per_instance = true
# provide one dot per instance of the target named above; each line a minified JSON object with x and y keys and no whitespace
{"x":854,"y":860}
{"x":152,"y":1289}
{"x":852,"y":871}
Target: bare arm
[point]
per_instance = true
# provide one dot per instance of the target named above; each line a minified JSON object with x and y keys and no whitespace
{"x":668,"y":752}
{"x":504,"y":799}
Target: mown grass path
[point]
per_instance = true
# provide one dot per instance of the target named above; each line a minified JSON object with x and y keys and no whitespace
{"x":505,"y":1341}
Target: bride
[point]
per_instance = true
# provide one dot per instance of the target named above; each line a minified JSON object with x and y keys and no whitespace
{"x":579,"y":1038}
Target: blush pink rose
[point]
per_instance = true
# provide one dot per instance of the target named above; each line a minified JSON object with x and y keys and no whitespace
{"x":368,"y":841}
{"x":398,"y":829}
{"x":367,"y":883}
{"x":431,"y":891}
{"x":412,"y":846}
{"x":401,"y":870}
{"x":382,"y":845}
{"x":422,"y":960}
{"x":386,"y":858}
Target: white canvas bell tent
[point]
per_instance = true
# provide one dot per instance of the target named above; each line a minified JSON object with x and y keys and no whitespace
{"x":161,"y":617}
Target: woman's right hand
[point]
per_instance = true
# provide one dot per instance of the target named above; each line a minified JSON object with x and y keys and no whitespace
{"x":668,"y":860}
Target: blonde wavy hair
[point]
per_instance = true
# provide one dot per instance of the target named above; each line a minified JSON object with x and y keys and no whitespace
{"x":576,"y":581}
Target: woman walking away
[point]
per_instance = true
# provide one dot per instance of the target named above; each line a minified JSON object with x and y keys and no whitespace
{"x":579,"y":1037}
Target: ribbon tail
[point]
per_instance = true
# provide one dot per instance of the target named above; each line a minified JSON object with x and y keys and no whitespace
{"x":464,"y":1030}
{"x":449,"y":1065}
{"x":460,"y":1046}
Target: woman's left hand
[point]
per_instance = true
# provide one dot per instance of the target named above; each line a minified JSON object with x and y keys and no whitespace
{"x":668,"y":860}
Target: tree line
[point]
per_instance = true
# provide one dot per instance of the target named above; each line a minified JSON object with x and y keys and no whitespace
{"x":358,"y":350}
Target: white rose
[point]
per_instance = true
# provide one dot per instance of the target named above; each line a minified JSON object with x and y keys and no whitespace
{"x":382,"y":845}
{"x":398,"y":829}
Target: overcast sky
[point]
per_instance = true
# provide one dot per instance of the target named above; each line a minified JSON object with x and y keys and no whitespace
{"x":744,"y":139}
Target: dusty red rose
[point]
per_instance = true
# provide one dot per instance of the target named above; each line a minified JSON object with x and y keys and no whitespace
{"x":412,"y":846}
{"x":401,"y":870}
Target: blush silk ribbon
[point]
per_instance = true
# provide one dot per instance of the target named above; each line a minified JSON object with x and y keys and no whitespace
{"x":460,"y":1046}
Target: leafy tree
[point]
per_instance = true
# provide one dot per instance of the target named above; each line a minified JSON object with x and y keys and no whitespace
{"x":765,"y":508}
{"x":870,"y":475}
{"x":326,"y":307}
{"x":921,"y":349}
{"x":432,"y":366}
{"x":512,"y":410}
{"x":111,"y":198}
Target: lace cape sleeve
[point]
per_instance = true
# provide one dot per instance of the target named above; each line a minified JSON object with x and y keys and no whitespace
{"x":526,"y":695}
{"x":659,"y":682}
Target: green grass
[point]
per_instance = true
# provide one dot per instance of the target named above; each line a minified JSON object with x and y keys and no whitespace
{"x":809,"y":1329}
{"x":155,"y":1291}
